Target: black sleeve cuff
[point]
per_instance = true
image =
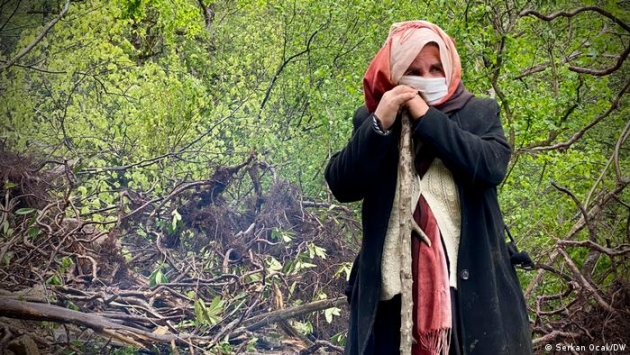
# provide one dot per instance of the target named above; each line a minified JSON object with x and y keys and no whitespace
{"x":376,"y":124}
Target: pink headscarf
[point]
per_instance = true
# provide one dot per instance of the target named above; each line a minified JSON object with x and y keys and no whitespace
{"x":403,"y":44}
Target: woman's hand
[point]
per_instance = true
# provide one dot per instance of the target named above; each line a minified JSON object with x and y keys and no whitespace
{"x":417,"y":107}
{"x":392,"y":101}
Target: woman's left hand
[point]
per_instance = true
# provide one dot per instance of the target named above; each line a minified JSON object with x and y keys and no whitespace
{"x":417,"y":107}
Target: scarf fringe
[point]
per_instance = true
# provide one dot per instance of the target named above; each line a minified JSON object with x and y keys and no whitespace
{"x":436,"y":341}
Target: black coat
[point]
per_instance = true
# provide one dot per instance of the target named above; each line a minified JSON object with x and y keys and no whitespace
{"x":471,"y":143}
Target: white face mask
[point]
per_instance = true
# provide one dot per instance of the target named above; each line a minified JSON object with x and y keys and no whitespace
{"x":432,"y":90}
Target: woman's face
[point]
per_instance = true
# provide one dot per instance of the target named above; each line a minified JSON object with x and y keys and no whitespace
{"x":427,"y":64}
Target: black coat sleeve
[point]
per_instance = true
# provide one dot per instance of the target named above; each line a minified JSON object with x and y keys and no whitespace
{"x":479,"y":155}
{"x":353,"y":170}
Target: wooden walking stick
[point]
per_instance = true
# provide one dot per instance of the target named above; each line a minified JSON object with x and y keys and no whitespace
{"x":407,"y":225}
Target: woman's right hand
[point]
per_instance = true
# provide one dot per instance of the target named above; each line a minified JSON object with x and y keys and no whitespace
{"x":391,"y":102}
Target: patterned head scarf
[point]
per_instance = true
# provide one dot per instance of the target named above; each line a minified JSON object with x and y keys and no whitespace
{"x":403,"y":44}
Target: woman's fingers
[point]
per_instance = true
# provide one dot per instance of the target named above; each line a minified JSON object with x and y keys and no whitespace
{"x":391,"y":102}
{"x":417,"y":107}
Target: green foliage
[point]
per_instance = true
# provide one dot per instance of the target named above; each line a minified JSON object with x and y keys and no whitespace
{"x":54,"y":280}
{"x":157,"y":277}
{"x":330,"y":313}
{"x":339,"y":338}
{"x":208,"y":314}
{"x":141,"y":96}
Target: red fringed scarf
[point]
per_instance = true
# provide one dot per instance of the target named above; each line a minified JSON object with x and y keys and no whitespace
{"x":431,"y":291}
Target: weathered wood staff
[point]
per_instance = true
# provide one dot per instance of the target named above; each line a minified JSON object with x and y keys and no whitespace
{"x":407,"y":225}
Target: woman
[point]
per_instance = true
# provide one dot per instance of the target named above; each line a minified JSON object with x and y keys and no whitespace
{"x":467,"y":298}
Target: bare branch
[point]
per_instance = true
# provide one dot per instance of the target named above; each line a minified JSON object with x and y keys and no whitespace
{"x":17,"y":6}
{"x":540,"y":67}
{"x":565,"y":145}
{"x":577,"y":227}
{"x":603,"y":72}
{"x":553,"y":335}
{"x":591,"y":228}
{"x":208,"y":14}
{"x":623,"y":137}
{"x":42,"y":70}
{"x":584,"y":282}
{"x":45,"y":312}
{"x":553,"y":270}
{"x":283,"y":65}
{"x":262,"y":320}
{"x":321,"y":344}
{"x":597,"y":209}
{"x":575,"y":12}
{"x":558,"y":296}
{"x":43,"y":34}
{"x":620,"y":250}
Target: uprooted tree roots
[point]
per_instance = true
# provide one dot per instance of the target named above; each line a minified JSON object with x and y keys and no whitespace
{"x":593,"y":306}
{"x":193,"y":270}
{"x":238,"y":262}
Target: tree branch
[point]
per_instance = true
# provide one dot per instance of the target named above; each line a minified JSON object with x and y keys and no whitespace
{"x":156,"y":160}
{"x":591,"y":229}
{"x":43,"y":34}
{"x":554,"y":15}
{"x":553,"y":335}
{"x":565,"y":145}
{"x":584,"y":282}
{"x":17,"y":6}
{"x":620,"y":250}
{"x":577,"y":227}
{"x":540,"y":67}
{"x":282,"y":66}
{"x":622,"y":138}
{"x":321,"y":344}
{"x":262,"y":320}
{"x":45,"y":312}
{"x":208,"y":14}
{"x":603,"y":72}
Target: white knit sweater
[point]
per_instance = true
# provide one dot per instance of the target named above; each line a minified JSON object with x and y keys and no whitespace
{"x":439,"y":190}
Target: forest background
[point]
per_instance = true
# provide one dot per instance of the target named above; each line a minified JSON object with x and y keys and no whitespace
{"x":162,"y":167}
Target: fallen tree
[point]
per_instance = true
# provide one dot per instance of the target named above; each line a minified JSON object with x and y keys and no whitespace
{"x":140,"y":279}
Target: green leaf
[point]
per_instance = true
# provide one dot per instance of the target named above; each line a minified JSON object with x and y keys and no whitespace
{"x":208,"y":314}
{"x":273,"y":264}
{"x":344,"y":268}
{"x":66,"y":263}
{"x":305,"y":265}
{"x":8,"y":185}
{"x":157,"y":277}
{"x":6,"y":259}
{"x":54,"y":280}
{"x":34,"y":232}
{"x":176,"y":220}
{"x":339,"y":338}
{"x":314,"y":250}
{"x":215,"y":309}
{"x":23,"y":211}
{"x":330,"y":312}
